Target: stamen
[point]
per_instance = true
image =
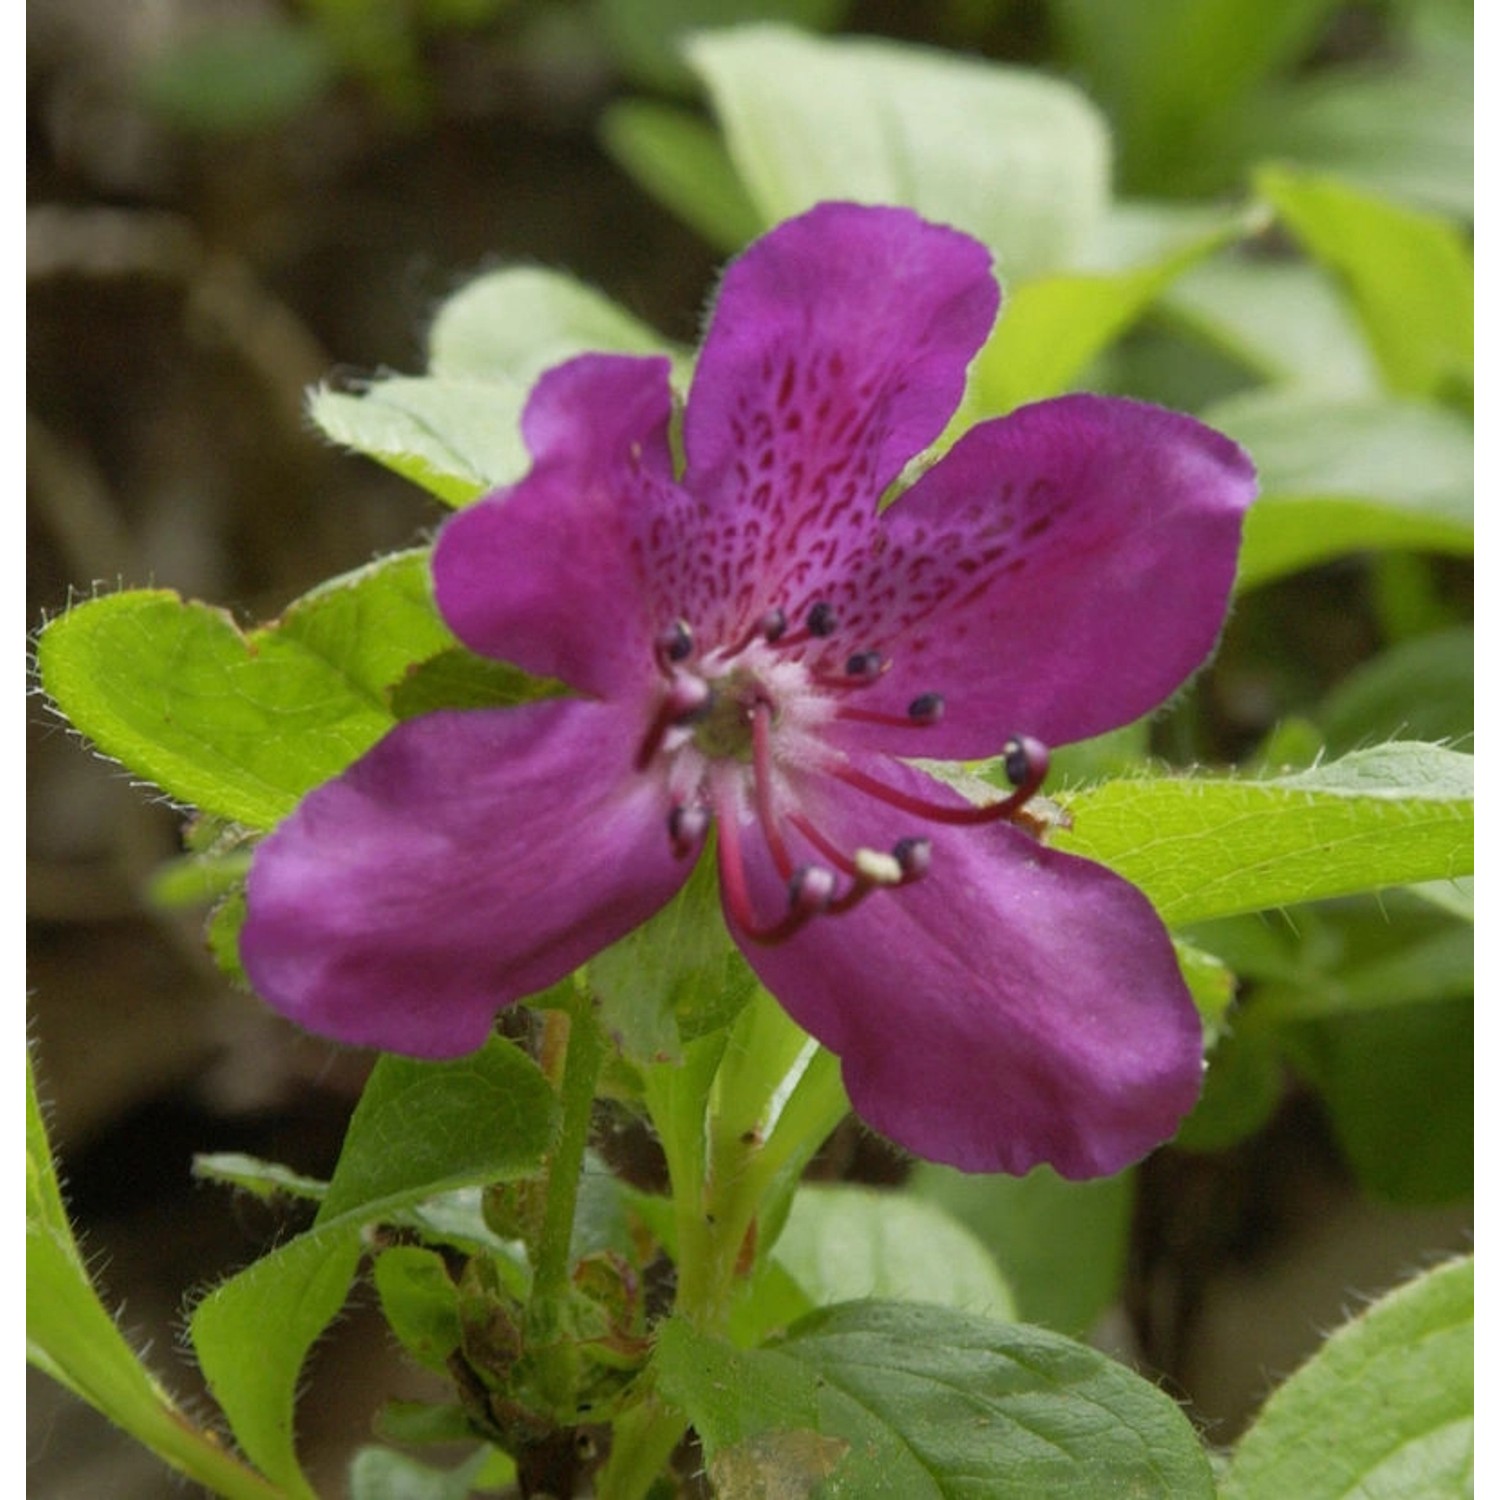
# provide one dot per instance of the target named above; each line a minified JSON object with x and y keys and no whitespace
{"x":822,"y":619}
{"x":824,"y":845}
{"x":770,"y":627}
{"x":914,"y":855}
{"x":851,"y":898}
{"x":920,"y":712}
{"x":1025,"y":757}
{"x":765,"y":806}
{"x":863,"y":669}
{"x":685,"y":698}
{"x":808,"y":890}
{"x":1026,"y":762}
{"x":878,"y":868}
{"x":675,"y":643}
{"x":686,"y":824}
{"x":810,"y":886}
{"x":907,"y":861}
{"x":773,"y":624}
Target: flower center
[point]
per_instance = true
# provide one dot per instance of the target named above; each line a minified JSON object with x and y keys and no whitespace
{"x":723,"y":729}
{"x":740,"y":727}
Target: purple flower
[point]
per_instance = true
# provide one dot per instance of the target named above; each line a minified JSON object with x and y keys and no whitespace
{"x":756,"y":648}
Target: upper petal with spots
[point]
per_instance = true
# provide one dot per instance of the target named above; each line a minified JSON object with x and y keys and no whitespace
{"x":1060,"y":572}
{"x":837,"y":352}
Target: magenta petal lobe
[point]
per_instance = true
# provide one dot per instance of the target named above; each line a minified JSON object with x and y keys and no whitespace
{"x":1012,"y":1006}
{"x":471,"y":858}
{"x":837,"y":352}
{"x":548,"y":573}
{"x":1060,"y":572}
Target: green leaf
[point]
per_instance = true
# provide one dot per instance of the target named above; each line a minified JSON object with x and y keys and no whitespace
{"x":1205,"y":847}
{"x":924,"y":1402}
{"x":842,"y":1242}
{"x":239,"y":726}
{"x":73,"y":1339}
{"x":682,"y":162}
{"x":382,"y":1474}
{"x":420,"y":1302}
{"x":1061,"y":1246}
{"x":1285,"y":320}
{"x":243,"y":724}
{"x":1018,"y":159}
{"x":417,"y":1423}
{"x":371,"y":625}
{"x":1341,"y":475}
{"x":1385,"y":1409}
{"x":1241,"y":1090}
{"x":1404,"y":131}
{"x":1051,"y":328}
{"x":1172,"y":73}
{"x":1398,"y":1084}
{"x":1371,"y":1000}
{"x":252,"y":1334}
{"x":675,"y":977}
{"x":455,"y":438}
{"x":1418,"y":689}
{"x":457,"y":678}
{"x":423,"y":1127}
{"x":1409,"y":275}
{"x":456,"y":430}
{"x":265,"y":1179}
{"x":419,"y":1129}
{"x":509,"y":326}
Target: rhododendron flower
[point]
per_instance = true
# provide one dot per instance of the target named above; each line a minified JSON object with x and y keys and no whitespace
{"x":757,"y":650}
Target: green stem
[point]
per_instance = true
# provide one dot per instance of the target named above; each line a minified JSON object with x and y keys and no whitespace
{"x":551,"y":1280}
{"x":644,"y":1440}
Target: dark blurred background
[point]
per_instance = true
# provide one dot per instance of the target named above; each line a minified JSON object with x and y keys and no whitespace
{"x":233,"y":199}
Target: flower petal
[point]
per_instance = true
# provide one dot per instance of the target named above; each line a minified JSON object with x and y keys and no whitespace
{"x":1060,"y":572}
{"x":548,"y":573}
{"x":471,"y":858}
{"x":837,"y":352}
{"x":1013,"y":1006}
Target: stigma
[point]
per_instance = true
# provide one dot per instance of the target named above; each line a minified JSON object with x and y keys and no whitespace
{"x":742,"y":733}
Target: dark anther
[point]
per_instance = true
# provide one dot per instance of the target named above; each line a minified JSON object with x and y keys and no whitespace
{"x":1019,"y":761}
{"x":822,"y":619}
{"x":914,"y":855}
{"x":927,"y":709}
{"x":773,"y":624}
{"x":687,"y":824}
{"x":810,"y":888}
{"x":676,"y":642}
{"x":865,"y":664}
